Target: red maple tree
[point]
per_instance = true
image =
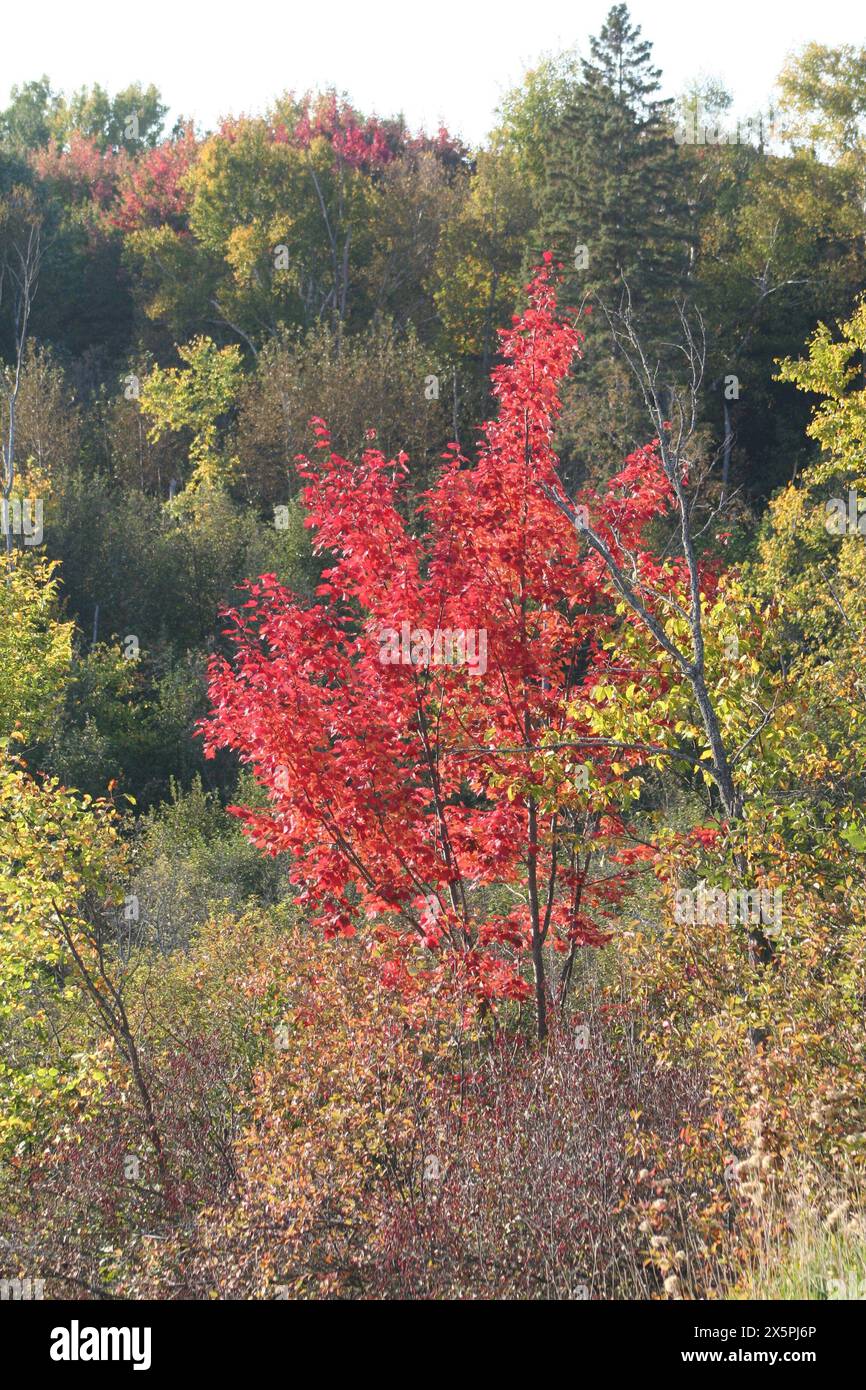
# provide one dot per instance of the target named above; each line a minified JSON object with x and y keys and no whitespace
{"x":415,"y":727}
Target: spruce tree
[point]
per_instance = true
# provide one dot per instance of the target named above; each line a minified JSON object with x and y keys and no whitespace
{"x":613,"y":175}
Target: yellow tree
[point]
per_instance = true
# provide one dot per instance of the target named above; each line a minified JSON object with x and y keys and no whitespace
{"x":196,"y":397}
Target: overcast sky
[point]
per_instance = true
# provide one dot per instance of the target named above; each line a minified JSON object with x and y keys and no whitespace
{"x":447,"y":60}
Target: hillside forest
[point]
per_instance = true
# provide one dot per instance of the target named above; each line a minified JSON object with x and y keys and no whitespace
{"x":432,"y":707}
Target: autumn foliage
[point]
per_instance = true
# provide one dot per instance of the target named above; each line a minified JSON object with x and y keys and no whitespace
{"x":408,"y":789}
{"x":390,"y":801}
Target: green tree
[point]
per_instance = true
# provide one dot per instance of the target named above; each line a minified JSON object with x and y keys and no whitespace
{"x":613,"y":210}
{"x":529,"y":113}
{"x":27,"y":122}
{"x":130,"y":120}
{"x":35,"y":649}
{"x":823,"y":100}
{"x":482,"y":257}
{"x":417,"y":198}
{"x":282,"y":234}
{"x":779,"y":244}
{"x":196,"y":398}
{"x":381,"y":380}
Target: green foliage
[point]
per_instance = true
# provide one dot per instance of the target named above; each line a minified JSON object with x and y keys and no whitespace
{"x":191,"y":861}
{"x":28,"y":121}
{"x":132,"y":118}
{"x":162,"y":574}
{"x":823,"y":100}
{"x":481,"y":263}
{"x":129,"y":722}
{"x":195,"y":398}
{"x":612,"y":185}
{"x":838,"y":423}
{"x":358,"y":383}
{"x":531,"y":111}
{"x":57,"y":850}
{"x":35,"y":650}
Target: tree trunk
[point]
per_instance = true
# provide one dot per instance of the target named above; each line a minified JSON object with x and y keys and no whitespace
{"x":537,"y":928}
{"x":540,"y":986}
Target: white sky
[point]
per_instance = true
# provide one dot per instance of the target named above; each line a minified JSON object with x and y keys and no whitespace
{"x":431,"y":59}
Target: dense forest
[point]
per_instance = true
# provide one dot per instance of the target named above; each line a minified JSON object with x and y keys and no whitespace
{"x":431,"y":693}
